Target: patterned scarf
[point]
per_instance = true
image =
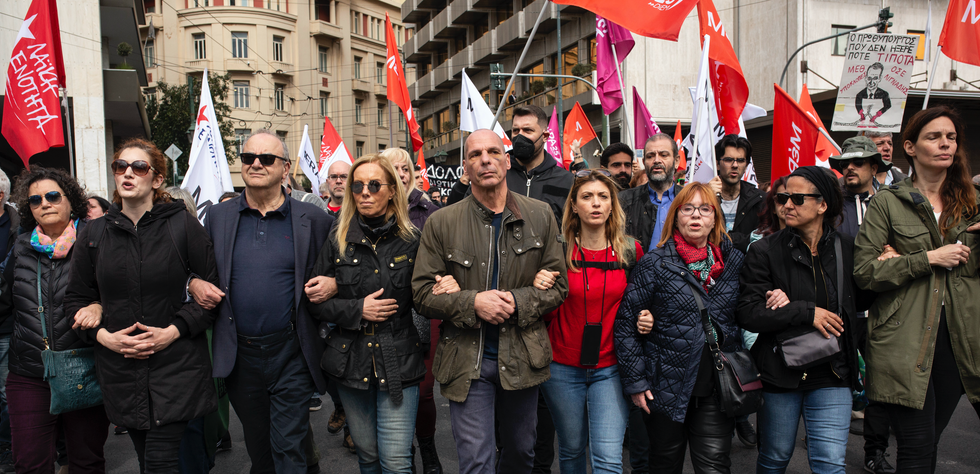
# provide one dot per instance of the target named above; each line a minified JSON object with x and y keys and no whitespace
{"x":56,"y":248}
{"x":706,"y":266}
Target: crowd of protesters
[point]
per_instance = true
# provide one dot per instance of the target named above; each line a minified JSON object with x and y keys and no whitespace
{"x":370,"y":290}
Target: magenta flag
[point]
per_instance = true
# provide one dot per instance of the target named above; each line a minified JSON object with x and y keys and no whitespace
{"x":608,"y":36}
{"x":553,"y":144}
{"x":643,"y":124}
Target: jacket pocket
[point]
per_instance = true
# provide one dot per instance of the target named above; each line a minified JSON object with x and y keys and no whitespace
{"x":537,"y":344}
{"x":460,"y":266}
{"x":336,"y":357}
{"x":401,"y":270}
{"x":348,"y":271}
{"x":445,"y":359}
{"x":911,"y":238}
{"x":525,"y":249}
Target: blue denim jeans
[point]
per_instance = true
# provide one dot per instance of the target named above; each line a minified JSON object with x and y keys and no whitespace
{"x":589,"y":410}
{"x":826,"y":417}
{"x":4,"y":370}
{"x":381,"y":430}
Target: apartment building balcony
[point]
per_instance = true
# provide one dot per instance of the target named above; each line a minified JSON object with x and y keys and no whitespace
{"x":465,"y":12}
{"x":238,"y":64}
{"x":424,"y":88}
{"x":549,"y":22}
{"x":325,"y":29}
{"x":491,"y":3}
{"x":485,"y":49}
{"x":411,"y":13}
{"x":197,"y":65}
{"x":360,"y":85}
{"x":442,"y":74}
{"x":511,"y":34}
{"x":420,"y":45}
{"x":380,"y":90}
{"x":280,"y":68}
{"x":460,"y":60}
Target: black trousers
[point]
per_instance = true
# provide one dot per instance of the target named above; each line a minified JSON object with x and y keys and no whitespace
{"x":639,"y":442}
{"x":158,"y":448}
{"x":917,"y":432}
{"x":706,"y":429}
{"x":544,"y":444}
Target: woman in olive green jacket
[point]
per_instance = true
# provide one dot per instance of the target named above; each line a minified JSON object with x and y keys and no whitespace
{"x":914,"y":248}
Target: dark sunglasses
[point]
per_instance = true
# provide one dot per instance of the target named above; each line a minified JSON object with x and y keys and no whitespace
{"x":140,"y":167}
{"x":797,"y":198}
{"x":53,"y":197}
{"x":587,"y":173}
{"x":267,"y":159}
{"x":857,"y":162}
{"x":373,"y":186}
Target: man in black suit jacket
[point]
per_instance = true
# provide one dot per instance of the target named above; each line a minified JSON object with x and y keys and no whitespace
{"x":265,"y":343}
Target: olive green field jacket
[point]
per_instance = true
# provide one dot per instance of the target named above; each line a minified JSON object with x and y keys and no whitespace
{"x":457,"y":241}
{"x":904,"y":320}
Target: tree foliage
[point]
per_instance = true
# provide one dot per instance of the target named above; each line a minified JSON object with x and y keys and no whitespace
{"x":170,"y":116}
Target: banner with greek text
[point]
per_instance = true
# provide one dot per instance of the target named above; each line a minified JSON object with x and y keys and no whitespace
{"x":875,"y":82}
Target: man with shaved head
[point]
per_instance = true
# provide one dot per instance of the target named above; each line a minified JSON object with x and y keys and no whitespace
{"x":494,"y":350}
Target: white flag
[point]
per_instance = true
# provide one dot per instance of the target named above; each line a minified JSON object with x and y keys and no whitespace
{"x":474,"y":113}
{"x":207,"y":176}
{"x":309,"y":162}
{"x":700,"y":162}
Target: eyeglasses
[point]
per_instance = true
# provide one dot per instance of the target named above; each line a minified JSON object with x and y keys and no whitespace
{"x":53,"y":197}
{"x":729,"y":160}
{"x":335,"y":177}
{"x":140,"y":167}
{"x":797,"y":198}
{"x":704,"y":210}
{"x":587,"y":173}
{"x":857,"y":162}
{"x":267,"y":159}
{"x":373,"y":186}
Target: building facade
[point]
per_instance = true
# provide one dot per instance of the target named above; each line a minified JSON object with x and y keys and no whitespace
{"x":292,"y":63}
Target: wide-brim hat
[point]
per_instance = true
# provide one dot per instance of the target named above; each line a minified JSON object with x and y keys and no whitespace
{"x":859,"y":147}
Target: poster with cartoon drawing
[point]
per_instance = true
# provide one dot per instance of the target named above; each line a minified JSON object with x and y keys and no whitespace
{"x":875,"y":82}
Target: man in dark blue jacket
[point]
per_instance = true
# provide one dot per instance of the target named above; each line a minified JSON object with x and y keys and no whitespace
{"x":266,"y":344}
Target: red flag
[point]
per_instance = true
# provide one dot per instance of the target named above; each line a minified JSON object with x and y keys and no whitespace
{"x":31,"y":109}
{"x":423,"y":171}
{"x":960,"y":38}
{"x":657,"y":18}
{"x":794,"y":136}
{"x":332,"y":148}
{"x":727,"y":80}
{"x":682,"y":162}
{"x":824,"y":148}
{"x":577,"y":127}
{"x":397,"y":87}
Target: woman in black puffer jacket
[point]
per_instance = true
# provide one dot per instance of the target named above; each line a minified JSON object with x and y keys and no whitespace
{"x":50,"y":204}
{"x":152,"y":359}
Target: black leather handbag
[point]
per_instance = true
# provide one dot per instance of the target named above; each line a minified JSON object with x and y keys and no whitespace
{"x":738,"y":382}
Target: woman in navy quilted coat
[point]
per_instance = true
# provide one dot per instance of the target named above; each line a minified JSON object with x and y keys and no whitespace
{"x":665,"y":363}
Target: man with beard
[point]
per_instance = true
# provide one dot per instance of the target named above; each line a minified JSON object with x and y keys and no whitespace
{"x":741,"y":201}
{"x":646,"y":206}
{"x":618,"y":160}
{"x":859,"y":163}
{"x":534,"y":172}
{"x":883,"y":140}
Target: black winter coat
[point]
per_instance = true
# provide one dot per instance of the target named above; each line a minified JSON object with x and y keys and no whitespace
{"x":6,"y":312}
{"x":548,"y":183}
{"x":357,"y":349}
{"x":19,"y":293}
{"x":138,"y":273}
{"x":750,"y":202}
{"x":666,"y":361}
{"x":781,"y":260}
{"x":641,"y":213}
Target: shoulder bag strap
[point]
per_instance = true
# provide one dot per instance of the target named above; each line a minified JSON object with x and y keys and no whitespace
{"x":40,"y":306}
{"x":705,"y":321}
{"x":840,"y":276}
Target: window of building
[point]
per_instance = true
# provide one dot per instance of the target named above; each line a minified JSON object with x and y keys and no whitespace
{"x":151,"y":6}
{"x":401,"y":122}
{"x":202,"y":3}
{"x":357,"y":67}
{"x":239,"y":44}
{"x":149,"y":93}
{"x":200,"y":46}
{"x":241,"y":134}
{"x":324,"y":104}
{"x":323,"y":10}
{"x":381,"y":147}
{"x":920,"y":53}
{"x":839,"y":44}
{"x":149,"y":55}
{"x":277,"y":54}
{"x":380,"y":73}
{"x":280,"y":97}
{"x":323,"y":54}
{"x":358,"y":117}
{"x":241,"y":94}
{"x":277,"y":5}
{"x":355,"y":23}
{"x":381,"y":116}
{"x":238,"y":3}
{"x":359,"y":149}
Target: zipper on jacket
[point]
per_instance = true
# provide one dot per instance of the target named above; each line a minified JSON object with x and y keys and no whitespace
{"x":527,"y":191}
{"x":479,"y":355}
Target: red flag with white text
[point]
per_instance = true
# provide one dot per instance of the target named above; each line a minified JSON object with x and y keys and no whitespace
{"x":653,"y":18}
{"x":397,"y":87}
{"x":332,"y":148}
{"x":577,"y":127}
{"x":682,"y":162}
{"x":727,"y":80}
{"x":32,"y":120}
{"x":960,"y":38}
{"x":794,"y":136}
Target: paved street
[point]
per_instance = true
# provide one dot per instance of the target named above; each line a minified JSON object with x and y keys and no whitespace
{"x":958,"y":451}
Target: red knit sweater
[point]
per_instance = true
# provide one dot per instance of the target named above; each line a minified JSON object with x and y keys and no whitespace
{"x":567,"y":323}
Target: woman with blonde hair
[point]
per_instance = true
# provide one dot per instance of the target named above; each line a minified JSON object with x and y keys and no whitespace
{"x":374,"y":354}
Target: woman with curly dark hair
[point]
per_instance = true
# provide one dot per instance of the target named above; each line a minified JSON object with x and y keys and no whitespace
{"x":152,"y":355}
{"x":53,"y":206}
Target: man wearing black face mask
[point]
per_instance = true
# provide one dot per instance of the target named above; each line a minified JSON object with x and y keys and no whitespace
{"x":533,"y":171}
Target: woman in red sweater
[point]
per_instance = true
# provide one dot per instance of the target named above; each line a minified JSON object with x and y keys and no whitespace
{"x":584,"y":393}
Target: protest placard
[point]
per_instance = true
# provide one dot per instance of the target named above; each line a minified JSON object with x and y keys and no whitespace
{"x":443,"y":177}
{"x":875,"y":82}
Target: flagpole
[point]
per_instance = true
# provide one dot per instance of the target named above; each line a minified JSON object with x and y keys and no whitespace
{"x":71,"y":150}
{"x":391,"y":130}
{"x":517,"y":67}
{"x":622,"y":85}
{"x":932,"y":75}
{"x":827,"y":136}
